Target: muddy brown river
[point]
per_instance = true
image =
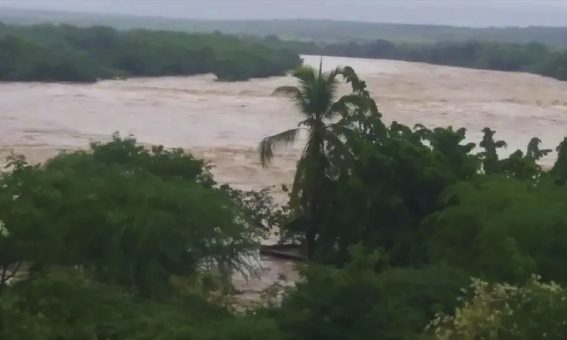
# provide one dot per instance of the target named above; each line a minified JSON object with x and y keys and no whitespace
{"x":223,"y":122}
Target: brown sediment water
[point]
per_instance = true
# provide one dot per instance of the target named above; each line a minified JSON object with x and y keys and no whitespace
{"x":223,"y":122}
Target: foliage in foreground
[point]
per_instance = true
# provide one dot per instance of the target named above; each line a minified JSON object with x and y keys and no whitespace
{"x":124,"y":215}
{"x":422,"y":198}
{"x":503,"y":229}
{"x":76,"y":308}
{"x":364,"y":300}
{"x":534,"y":310}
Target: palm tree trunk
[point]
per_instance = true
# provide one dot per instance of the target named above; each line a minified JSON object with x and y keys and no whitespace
{"x":315,"y":210}
{"x":313,"y":225}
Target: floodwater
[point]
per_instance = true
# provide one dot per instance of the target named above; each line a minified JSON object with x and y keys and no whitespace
{"x":223,"y":122}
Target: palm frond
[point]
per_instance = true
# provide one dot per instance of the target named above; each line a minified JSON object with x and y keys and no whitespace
{"x":305,"y":74}
{"x":332,"y":75}
{"x":318,"y":90}
{"x":287,"y":91}
{"x":269,"y":144}
{"x":307,"y":123}
{"x":294,"y":94}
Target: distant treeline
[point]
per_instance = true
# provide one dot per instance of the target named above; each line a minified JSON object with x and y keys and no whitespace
{"x":534,"y":58}
{"x":68,"y":53}
{"x":300,"y":29}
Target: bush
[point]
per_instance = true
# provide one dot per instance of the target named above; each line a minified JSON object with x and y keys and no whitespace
{"x":534,"y":310}
{"x":502,"y":229}
{"x":68,"y":308}
{"x":125,"y":215}
{"x":357,"y":302}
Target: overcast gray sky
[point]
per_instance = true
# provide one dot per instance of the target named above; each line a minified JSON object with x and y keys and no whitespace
{"x":451,"y":12}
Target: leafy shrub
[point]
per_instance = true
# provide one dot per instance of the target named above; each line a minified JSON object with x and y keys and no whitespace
{"x":68,"y":308}
{"x":394,"y":182}
{"x":356,"y":302}
{"x":502,"y":229}
{"x":535,"y":310}
{"x":126,"y":215}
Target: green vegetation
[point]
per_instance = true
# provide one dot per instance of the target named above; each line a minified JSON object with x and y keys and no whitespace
{"x":122,"y":242}
{"x":305,"y":30}
{"x":324,"y":150}
{"x":67,"y":53}
{"x":534,"y":57}
{"x":359,"y":302}
{"x":534,"y":310}
{"x":127,"y":242}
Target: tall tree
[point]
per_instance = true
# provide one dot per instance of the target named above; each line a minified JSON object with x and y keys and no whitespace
{"x":324,"y":153}
{"x":489,"y":156}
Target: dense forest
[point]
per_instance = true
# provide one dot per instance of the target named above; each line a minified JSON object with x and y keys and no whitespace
{"x":533,"y":58}
{"x":67,"y":53}
{"x":305,"y":30}
{"x":409,"y":232}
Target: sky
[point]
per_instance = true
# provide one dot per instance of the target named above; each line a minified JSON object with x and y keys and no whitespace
{"x":444,"y":12}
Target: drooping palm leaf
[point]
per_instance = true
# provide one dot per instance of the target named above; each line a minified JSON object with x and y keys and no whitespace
{"x":269,"y":144}
{"x":295,"y":95}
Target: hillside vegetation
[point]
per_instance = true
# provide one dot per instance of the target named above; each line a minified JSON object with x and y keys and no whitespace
{"x":315,"y":30}
{"x":68,"y":53}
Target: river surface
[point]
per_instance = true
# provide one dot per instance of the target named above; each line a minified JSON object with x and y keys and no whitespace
{"x":223,"y":122}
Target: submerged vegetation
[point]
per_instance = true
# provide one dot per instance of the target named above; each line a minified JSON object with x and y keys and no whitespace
{"x":68,"y":53}
{"x":126,"y":242}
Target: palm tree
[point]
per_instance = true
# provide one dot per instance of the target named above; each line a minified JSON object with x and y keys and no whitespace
{"x":324,"y":152}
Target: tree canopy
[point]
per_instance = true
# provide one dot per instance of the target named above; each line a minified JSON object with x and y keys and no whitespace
{"x":68,"y":53}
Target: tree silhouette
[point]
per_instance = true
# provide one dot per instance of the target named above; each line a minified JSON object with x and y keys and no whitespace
{"x":490,"y":156}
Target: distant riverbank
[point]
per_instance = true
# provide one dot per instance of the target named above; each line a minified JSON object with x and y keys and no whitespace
{"x":62,"y":53}
{"x":533,"y":58}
